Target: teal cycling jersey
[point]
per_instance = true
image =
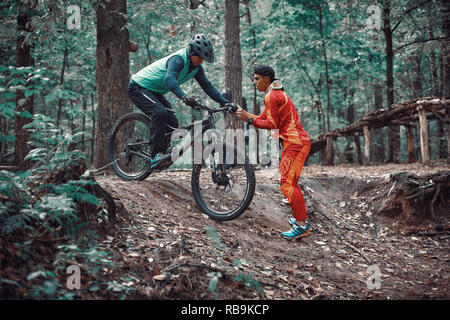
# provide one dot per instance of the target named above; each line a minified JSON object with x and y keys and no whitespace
{"x":152,"y":76}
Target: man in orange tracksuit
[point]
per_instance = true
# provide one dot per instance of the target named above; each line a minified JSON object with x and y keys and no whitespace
{"x":280,"y":113}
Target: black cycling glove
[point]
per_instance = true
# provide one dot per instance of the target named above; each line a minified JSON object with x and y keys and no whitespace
{"x":232,"y":107}
{"x":190,"y":101}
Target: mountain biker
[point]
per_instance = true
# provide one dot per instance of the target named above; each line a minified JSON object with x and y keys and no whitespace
{"x":148,"y":86}
{"x":280,"y":113}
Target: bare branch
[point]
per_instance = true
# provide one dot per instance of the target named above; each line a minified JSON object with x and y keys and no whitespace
{"x":419,"y":41}
{"x":408,"y":12}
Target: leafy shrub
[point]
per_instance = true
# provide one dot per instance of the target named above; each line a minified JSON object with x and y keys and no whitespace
{"x":45,"y":205}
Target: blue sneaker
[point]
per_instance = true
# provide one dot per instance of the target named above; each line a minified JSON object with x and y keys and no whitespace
{"x":155,"y":159}
{"x":293,"y":222}
{"x":296,"y":232}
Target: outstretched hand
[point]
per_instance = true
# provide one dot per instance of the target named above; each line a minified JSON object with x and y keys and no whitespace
{"x":242,"y":114}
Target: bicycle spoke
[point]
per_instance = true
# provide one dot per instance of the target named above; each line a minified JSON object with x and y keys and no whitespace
{"x":227,"y":192}
{"x":130,"y":147}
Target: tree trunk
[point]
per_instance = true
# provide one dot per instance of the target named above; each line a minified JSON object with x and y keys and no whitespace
{"x":436,"y":92}
{"x":378,"y":148}
{"x":193,"y":5}
{"x":416,"y":83}
{"x":434,"y":83}
{"x":358,"y":149}
{"x":329,"y":152}
{"x":447,"y":132}
{"x":256,"y":106}
{"x":423,"y":135}
{"x":61,"y":82}
{"x":327,"y":80}
{"x":441,"y":71}
{"x":233,"y":63}
{"x":72,"y":144}
{"x":366,"y":145}
{"x":446,"y":47}
{"x":394,"y":130}
{"x":23,"y":59}
{"x":446,"y":67}
{"x":93,"y":128}
{"x":350,"y":119}
{"x":112,"y":71}
{"x":411,"y":152}
{"x":434,"y":74}
{"x":83,"y":125}
{"x":441,"y":140}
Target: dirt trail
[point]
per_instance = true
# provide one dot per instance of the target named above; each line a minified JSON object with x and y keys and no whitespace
{"x":351,"y":253}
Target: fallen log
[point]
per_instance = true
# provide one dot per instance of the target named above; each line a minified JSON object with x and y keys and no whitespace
{"x":404,"y":114}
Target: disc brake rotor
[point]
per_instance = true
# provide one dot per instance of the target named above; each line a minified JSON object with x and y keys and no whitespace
{"x":225,"y":180}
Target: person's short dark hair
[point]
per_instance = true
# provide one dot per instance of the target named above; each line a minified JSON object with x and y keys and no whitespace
{"x":264,"y":70}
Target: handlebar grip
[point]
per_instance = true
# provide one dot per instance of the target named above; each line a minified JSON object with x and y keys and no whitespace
{"x":232,"y":108}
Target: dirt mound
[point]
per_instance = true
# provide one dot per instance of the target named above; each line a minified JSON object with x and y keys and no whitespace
{"x":170,"y":250}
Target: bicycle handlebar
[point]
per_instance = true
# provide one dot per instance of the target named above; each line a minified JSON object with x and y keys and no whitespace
{"x":229,"y":107}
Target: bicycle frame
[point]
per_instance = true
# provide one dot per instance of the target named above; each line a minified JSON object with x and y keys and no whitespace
{"x":208,"y":123}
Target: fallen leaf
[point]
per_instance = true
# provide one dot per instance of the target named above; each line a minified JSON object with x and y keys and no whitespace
{"x":269,"y":293}
{"x":133,"y":255}
{"x":266,"y":273}
{"x":162,"y":276}
{"x":128,"y":284}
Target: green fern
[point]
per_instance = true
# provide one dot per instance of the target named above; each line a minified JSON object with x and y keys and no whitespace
{"x":53,"y":213}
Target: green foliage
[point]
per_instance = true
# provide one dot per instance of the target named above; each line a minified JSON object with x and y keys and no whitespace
{"x":51,"y":144}
{"x":214,"y":281}
{"x":51,"y":284}
{"x":15,"y":212}
{"x":249,"y":281}
{"x":29,"y":80}
{"x":17,"y":85}
{"x":119,"y":287}
{"x":34,"y":209}
{"x":245,"y":279}
{"x":214,"y":236}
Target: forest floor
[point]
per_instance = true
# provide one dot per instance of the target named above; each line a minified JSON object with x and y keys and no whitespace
{"x":168,"y":249}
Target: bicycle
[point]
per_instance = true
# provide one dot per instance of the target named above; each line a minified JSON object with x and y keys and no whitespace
{"x":223,"y":184}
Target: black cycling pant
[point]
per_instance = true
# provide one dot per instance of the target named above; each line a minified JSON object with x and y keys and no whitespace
{"x":159,"y":110}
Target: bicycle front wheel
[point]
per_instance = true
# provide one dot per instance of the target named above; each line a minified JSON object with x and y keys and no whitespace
{"x":224,"y":184}
{"x":129,"y":147}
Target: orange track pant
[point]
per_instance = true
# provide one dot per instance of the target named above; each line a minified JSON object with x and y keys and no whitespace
{"x":292,"y":159}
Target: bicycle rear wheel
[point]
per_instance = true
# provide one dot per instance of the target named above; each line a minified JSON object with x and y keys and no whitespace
{"x":223,"y":186}
{"x":129,"y":148}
